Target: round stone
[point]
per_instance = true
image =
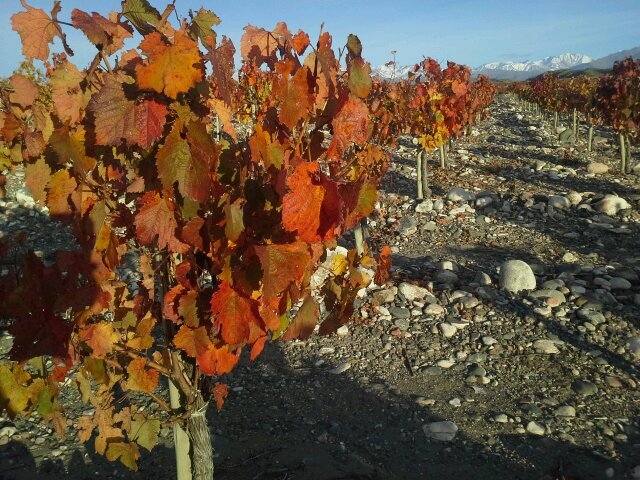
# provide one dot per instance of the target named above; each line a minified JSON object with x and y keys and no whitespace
{"x":516,"y":275}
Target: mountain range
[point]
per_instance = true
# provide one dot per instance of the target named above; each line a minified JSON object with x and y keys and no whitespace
{"x":527,"y":69}
{"x":566,"y":61}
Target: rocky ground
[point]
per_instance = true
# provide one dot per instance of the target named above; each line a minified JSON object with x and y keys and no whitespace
{"x":505,"y":346}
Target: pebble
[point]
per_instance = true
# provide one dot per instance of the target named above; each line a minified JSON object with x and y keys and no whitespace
{"x":546,"y":346}
{"x":597,"y":168}
{"x":536,"y":428}
{"x":565,"y":411}
{"x":399,"y":312}
{"x":425,"y":206}
{"x":443,"y":431}
{"x":425,"y":402}
{"x":584,"y":388}
{"x":407,"y":226}
{"x":343,"y":331}
{"x":460,"y":195}
{"x":447,"y":330}
{"x":343,"y":367}
{"x":558,"y":201}
{"x":434,"y":309}
{"x":412,"y":292}
{"x":516,"y":275}
{"x":611,"y":204}
{"x":619,"y":283}
{"x":501,"y":418}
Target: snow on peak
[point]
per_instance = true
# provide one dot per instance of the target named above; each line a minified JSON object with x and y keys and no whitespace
{"x":557,"y":62}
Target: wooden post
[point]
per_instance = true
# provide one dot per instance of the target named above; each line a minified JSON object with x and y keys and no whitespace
{"x":623,"y":153}
{"x":590,"y":140}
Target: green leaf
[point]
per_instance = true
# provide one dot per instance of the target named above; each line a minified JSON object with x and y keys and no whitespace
{"x":201,"y":27}
{"x":144,"y":431}
{"x":354,"y":45}
{"x":14,"y":397}
{"x":143,"y":16}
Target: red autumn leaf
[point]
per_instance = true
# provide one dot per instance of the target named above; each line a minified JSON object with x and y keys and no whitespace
{"x":302,"y":204}
{"x":384,"y":264}
{"x":156,"y":218}
{"x":304,"y":322}
{"x":295,"y":97}
{"x":36,"y":29}
{"x":194,"y":341}
{"x":233,"y":313}
{"x":140,"y":379}
{"x":257,"y":347}
{"x":282,"y":265}
{"x":223,"y":68}
{"x":218,"y":361}
{"x":191,"y":233}
{"x":104,"y":33}
{"x":300,"y":42}
{"x":117,"y":118}
{"x":220,"y":392}
{"x":172,"y":68}
{"x":350,"y":125}
{"x":170,"y":303}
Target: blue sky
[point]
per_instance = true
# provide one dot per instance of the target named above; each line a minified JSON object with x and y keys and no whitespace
{"x":466,"y":31}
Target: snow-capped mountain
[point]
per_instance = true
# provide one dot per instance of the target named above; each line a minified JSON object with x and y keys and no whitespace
{"x":387,"y":71}
{"x":531,"y":68}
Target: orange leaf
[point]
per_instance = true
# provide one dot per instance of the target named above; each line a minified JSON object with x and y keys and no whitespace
{"x":300,"y":42}
{"x":294,"y":96}
{"x":257,"y":347}
{"x":60,"y":191}
{"x":220,"y":392}
{"x":171,"y":68}
{"x":233,"y":313}
{"x":68,"y":97}
{"x":100,"y":337}
{"x":37,"y":176}
{"x":218,"y":361}
{"x":138,"y":378}
{"x":156,"y":218}
{"x":36,"y":30}
{"x":102,"y":32}
{"x":24,"y":92}
{"x":350,"y":125}
{"x":194,"y":342}
{"x":117,"y":118}
{"x":282,"y":265}
{"x":301,"y":206}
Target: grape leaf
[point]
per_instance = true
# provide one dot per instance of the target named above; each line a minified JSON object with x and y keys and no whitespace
{"x":126,"y":452}
{"x":171,"y":68}
{"x":144,"y":431}
{"x":104,"y":33}
{"x":295,"y":97}
{"x":117,"y":118}
{"x":223,"y":68}
{"x":360,"y":82}
{"x":156,"y":218}
{"x":301,"y":206}
{"x":36,"y":29}
{"x":140,"y":379}
{"x":187,"y":161}
{"x":300,"y":42}
{"x":14,"y":398}
{"x":61,"y":190}
{"x":202,"y":25}
{"x":282,"y":265}
{"x":68,"y":97}
{"x":233,"y":313}
{"x":101,"y":337}
{"x":24,"y":91}
{"x":194,"y":341}
{"x":217,"y":361}
{"x":36,"y":177}
{"x":220,"y":392}
{"x":350,"y":125}
{"x":141,"y":14}
{"x":234,"y":222}
{"x":304,"y":322}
